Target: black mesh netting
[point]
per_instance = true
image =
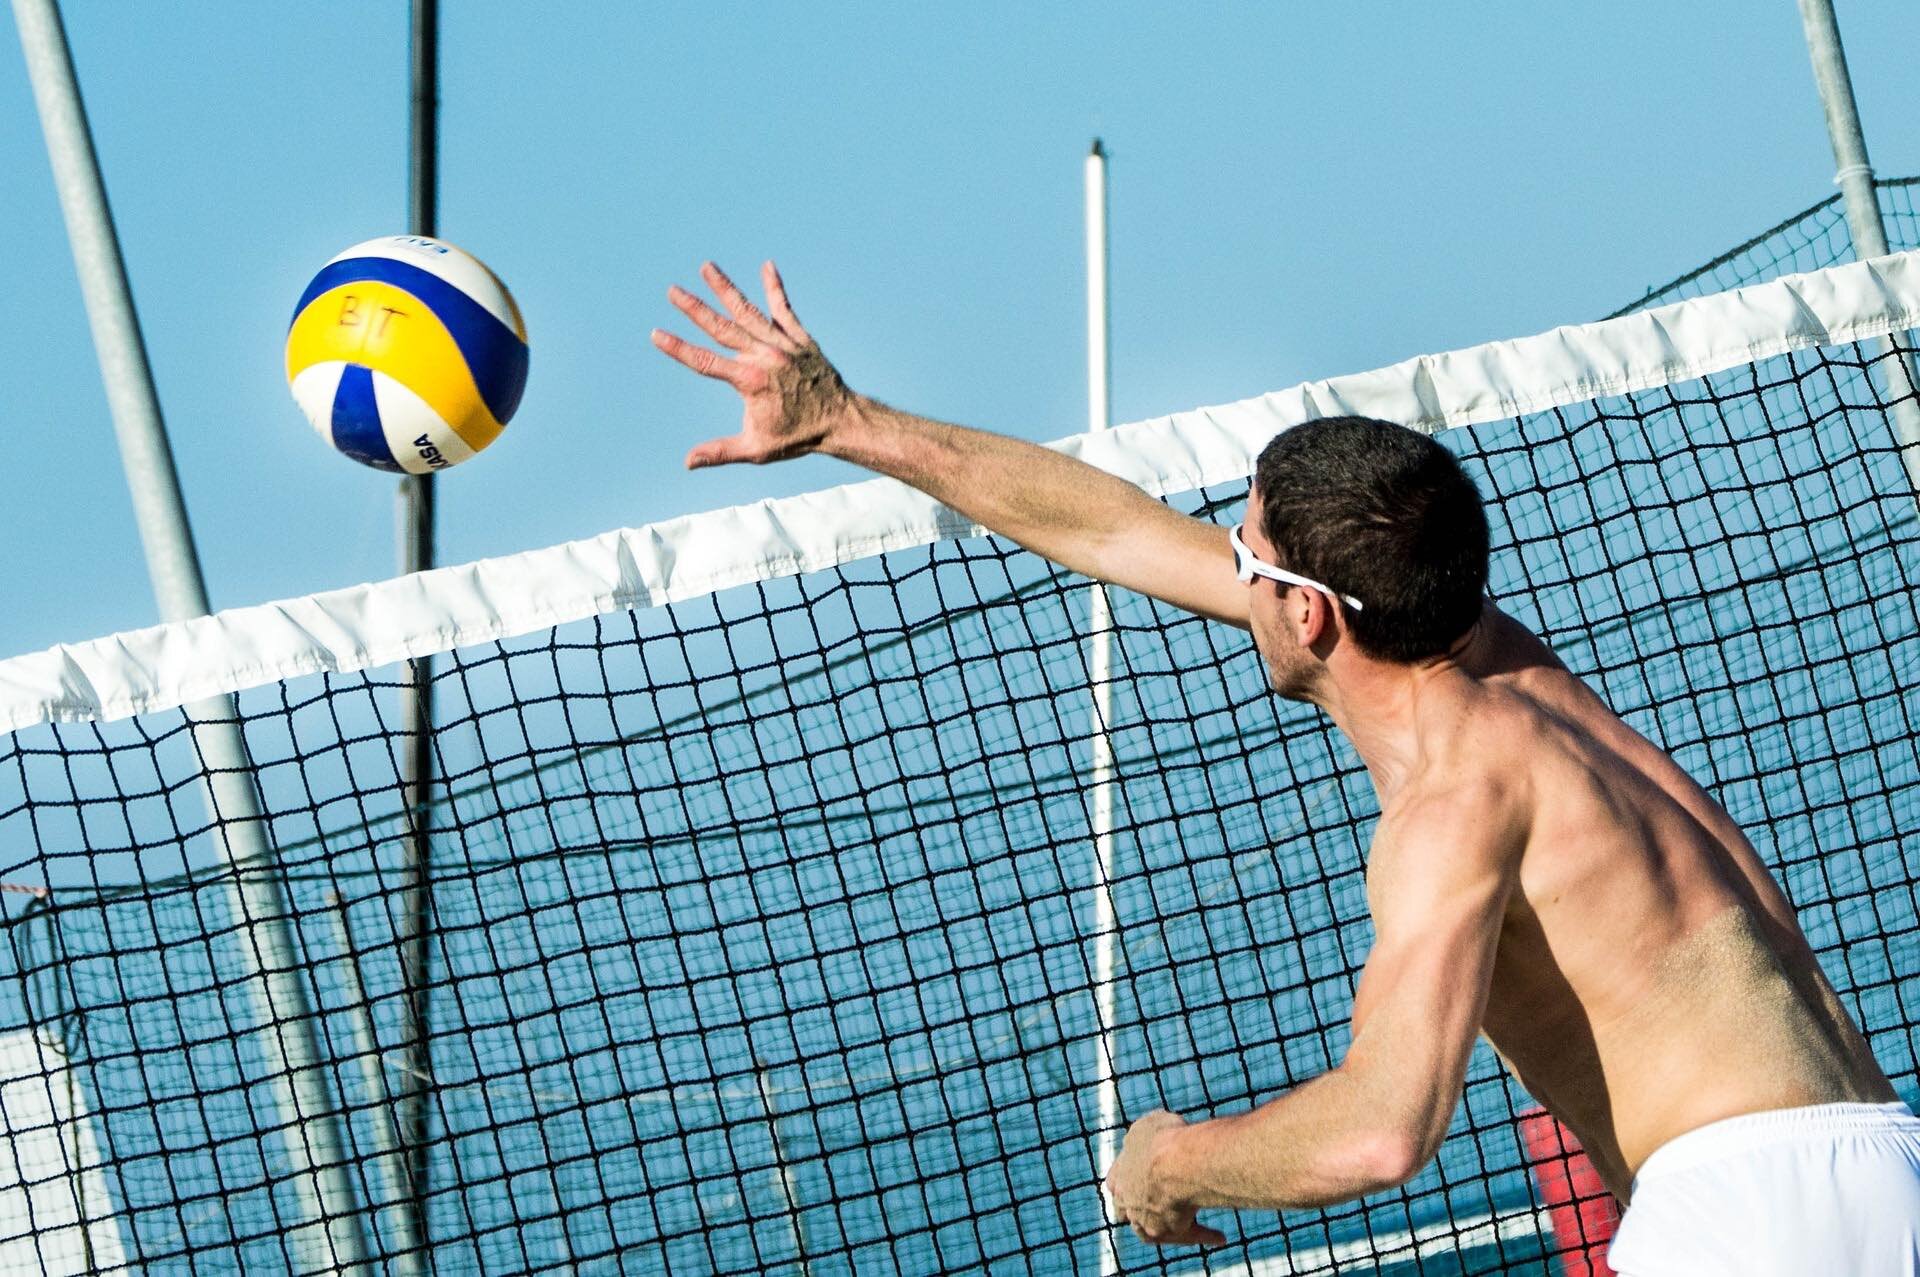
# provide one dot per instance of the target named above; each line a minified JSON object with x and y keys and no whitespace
{"x":1813,"y":239}
{"x":762,"y":925}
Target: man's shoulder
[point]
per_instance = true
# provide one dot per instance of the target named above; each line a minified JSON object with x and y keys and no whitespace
{"x":1442,"y":841}
{"x":1475,"y":813}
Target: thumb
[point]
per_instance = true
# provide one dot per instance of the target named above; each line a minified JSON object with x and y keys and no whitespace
{"x":719,"y":452}
{"x":1198,"y":1234}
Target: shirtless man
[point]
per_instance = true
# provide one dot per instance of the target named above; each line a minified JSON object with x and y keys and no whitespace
{"x":1541,"y":873}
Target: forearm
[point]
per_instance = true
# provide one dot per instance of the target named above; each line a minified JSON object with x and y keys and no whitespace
{"x":1061,"y":508}
{"x":1320,"y":1143}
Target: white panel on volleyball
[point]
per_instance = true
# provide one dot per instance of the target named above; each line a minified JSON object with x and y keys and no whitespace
{"x":414,"y":431}
{"x":457,"y":267}
{"x":314,"y":389}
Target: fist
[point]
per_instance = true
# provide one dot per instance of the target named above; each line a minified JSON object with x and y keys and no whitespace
{"x":1142,"y":1200}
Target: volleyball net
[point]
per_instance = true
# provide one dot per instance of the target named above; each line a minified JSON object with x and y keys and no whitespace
{"x":764,"y":928}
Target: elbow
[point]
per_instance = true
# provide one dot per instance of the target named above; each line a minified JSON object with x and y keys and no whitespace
{"x":1389,"y":1157}
{"x":1395,"y":1136}
{"x":1367,"y":1161}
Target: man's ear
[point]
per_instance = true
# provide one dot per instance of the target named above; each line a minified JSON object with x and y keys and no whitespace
{"x":1314,"y":620}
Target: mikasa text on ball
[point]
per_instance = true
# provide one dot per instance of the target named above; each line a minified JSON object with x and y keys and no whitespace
{"x":407,"y":354}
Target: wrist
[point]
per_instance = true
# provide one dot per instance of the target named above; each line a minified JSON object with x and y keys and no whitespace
{"x":850,"y":432}
{"x":1168,"y":1186}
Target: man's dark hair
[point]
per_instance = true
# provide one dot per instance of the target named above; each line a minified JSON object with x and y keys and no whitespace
{"x":1387,"y":515}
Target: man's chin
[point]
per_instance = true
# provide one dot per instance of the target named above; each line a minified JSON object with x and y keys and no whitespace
{"x":1290,"y":687}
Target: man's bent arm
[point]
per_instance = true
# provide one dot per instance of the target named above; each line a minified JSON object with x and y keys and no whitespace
{"x":1442,"y":871}
{"x":1314,"y":1146}
{"x":1062,"y":509}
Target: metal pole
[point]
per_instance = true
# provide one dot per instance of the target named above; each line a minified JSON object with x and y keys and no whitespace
{"x":408,"y":1257}
{"x":415,"y":534}
{"x":1854,"y":177}
{"x":330,"y":1239}
{"x":1099,"y":673}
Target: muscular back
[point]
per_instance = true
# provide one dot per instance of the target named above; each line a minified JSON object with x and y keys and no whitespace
{"x":1650,"y":976}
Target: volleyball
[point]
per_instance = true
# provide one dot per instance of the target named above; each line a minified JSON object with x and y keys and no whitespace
{"x":407,"y":354}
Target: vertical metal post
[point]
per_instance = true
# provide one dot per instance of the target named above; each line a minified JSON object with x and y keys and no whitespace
{"x":1100,"y":675}
{"x":409,"y":1257}
{"x":415,"y":517}
{"x":330,"y":1237}
{"x":1854,"y":177}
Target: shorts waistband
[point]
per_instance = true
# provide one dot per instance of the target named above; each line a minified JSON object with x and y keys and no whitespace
{"x":1732,"y":1136}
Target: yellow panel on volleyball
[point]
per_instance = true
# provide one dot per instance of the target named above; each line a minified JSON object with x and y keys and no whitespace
{"x":388,"y":330}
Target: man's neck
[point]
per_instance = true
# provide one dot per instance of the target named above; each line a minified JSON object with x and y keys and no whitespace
{"x":1384,"y":708}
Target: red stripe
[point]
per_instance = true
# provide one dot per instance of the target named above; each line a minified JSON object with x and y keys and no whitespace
{"x":1583,"y":1212}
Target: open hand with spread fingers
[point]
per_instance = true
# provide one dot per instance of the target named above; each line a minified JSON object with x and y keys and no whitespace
{"x":791,"y":395}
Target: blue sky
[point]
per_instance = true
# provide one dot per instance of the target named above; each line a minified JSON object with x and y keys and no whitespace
{"x":1297,"y":192}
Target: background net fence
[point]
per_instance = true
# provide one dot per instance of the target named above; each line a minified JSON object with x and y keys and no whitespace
{"x":762,"y":924}
{"x":1813,"y":239}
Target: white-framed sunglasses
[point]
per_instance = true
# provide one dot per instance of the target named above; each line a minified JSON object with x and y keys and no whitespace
{"x":1246,"y":566}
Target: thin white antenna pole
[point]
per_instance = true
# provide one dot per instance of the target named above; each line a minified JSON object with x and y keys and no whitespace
{"x":1100,"y":673}
{"x":1854,"y":176}
{"x":783,"y":1174}
{"x":330,"y":1236}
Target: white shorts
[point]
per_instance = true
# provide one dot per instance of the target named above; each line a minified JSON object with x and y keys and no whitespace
{"x":1832,"y":1189}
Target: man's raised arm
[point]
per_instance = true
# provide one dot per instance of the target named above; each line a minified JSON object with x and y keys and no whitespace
{"x":1062,"y":509}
